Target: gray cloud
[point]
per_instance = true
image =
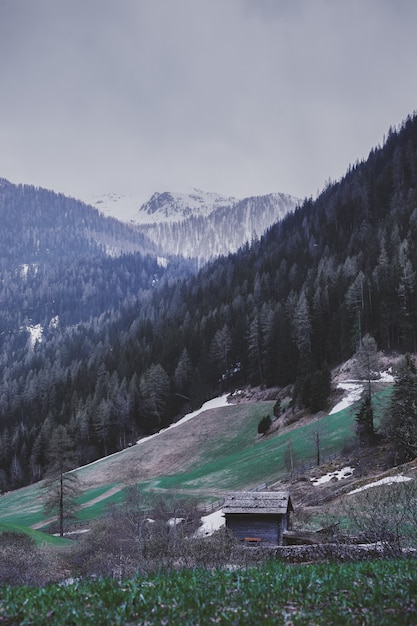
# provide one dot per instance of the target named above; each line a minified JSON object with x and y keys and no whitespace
{"x":240,"y":97}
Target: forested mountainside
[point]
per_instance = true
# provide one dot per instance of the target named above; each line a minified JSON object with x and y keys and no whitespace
{"x":39,"y":225}
{"x":281,"y":310}
{"x":206,"y":234}
{"x":61,"y":260}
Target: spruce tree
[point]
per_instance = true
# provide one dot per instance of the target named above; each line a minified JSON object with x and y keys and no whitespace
{"x":365,"y":422}
{"x":401,"y":418}
{"x":264,"y":425}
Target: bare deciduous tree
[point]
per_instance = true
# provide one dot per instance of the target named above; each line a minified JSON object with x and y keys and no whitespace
{"x":386,"y":514}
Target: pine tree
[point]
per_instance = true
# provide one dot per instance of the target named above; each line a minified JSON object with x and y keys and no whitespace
{"x":220,"y":350}
{"x":367,"y":361}
{"x":264,"y":425}
{"x":183,"y":372}
{"x":401,"y":418}
{"x":365,"y":422}
{"x":255,"y":352}
{"x":61,"y":486}
{"x":367,"y":364}
{"x":101,"y":424}
{"x":320,"y":388}
{"x":155,"y":391}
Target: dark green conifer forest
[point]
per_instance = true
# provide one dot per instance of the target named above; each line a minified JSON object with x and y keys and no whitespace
{"x":128,"y":344}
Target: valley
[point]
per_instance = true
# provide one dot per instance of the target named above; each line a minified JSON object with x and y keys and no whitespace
{"x":162,"y":381}
{"x":208,"y":313}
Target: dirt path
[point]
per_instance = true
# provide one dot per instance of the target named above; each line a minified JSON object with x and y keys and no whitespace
{"x":103,"y":496}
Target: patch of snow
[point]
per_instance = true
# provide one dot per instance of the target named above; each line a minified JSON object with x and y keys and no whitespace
{"x":54,"y":323}
{"x":25,"y":269}
{"x":73,"y":532}
{"x":389,"y":480}
{"x":355,"y":389}
{"x":35,"y":335}
{"x":211,"y":523}
{"x":345,"y":472}
{"x":354,"y":393}
{"x":387,"y":376}
{"x":174,"y":521}
{"x":215,"y":403}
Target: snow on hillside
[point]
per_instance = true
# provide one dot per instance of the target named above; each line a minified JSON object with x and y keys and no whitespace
{"x":355,"y":388}
{"x":388,"y":480}
{"x":211,"y":404}
{"x":35,"y":335}
{"x":176,"y":207}
{"x":122,"y":207}
{"x":210,"y":523}
{"x":345,"y":472}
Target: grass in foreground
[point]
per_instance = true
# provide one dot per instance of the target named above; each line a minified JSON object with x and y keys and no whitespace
{"x":368,"y":593}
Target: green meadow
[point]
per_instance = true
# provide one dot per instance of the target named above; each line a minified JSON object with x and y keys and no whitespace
{"x":233,"y":457}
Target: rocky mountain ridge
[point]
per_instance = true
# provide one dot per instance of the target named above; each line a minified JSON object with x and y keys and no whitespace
{"x":199,"y":224}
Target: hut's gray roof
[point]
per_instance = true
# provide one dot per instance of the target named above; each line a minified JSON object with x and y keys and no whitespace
{"x":278,"y":502}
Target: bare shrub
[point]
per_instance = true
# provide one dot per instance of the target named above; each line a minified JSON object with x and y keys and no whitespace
{"x":218,"y":550}
{"x":23,"y":563}
{"x":92,"y":553}
{"x":137,"y":536}
{"x":386,"y":514}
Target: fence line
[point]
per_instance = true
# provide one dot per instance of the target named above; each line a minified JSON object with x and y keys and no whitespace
{"x":215,"y":506}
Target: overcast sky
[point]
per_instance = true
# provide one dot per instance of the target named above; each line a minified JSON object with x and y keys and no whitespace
{"x":241,"y":97}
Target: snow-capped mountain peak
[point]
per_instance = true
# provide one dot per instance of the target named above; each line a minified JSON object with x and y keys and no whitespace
{"x":175,"y":207}
{"x":166,"y":206}
{"x":197,"y":223}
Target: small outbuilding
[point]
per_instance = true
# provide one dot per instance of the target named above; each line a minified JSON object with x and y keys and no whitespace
{"x":258,"y":516}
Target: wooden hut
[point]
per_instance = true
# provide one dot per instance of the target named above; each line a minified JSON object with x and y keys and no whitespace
{"x":258,"y":516}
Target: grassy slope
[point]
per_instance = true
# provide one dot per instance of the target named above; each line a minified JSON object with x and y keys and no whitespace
{"x":39,"y":537}
{"x":219,"y":450}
